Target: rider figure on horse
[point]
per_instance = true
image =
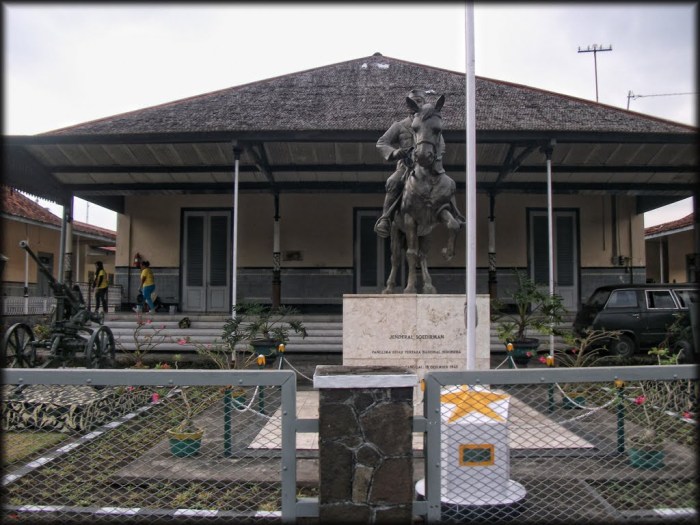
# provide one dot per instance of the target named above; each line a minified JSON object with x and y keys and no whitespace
{"x":397,"y":144}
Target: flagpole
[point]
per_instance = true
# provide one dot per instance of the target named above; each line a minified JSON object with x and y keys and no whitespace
{"x":470,"y":127}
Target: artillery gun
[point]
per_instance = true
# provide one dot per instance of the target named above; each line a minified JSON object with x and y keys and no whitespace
{"x":71,"y":331}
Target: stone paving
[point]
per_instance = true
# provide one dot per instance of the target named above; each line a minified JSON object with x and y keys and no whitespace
{"x":529,"y":429}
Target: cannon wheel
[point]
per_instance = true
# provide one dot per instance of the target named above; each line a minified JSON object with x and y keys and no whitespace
{"x":17,"y":348}
{"x":100,"y":349}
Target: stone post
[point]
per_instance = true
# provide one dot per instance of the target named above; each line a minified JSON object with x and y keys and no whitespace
{"x":365,"y":444}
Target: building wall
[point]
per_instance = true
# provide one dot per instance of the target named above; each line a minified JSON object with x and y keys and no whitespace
{"x":320,"y":229}
{"x":47,"y":240}
{"x":679,"y":245}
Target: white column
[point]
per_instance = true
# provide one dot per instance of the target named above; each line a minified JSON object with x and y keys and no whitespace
{"x":234,"y":261}
{"x":550,"y":232}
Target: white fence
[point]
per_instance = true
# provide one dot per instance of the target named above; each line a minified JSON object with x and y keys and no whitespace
{"x":17,"y":305}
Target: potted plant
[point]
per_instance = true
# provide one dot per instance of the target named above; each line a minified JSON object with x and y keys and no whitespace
{"x":269,"y":327}
{"x":185,"y":438}
{"x":534,"y":309}
{"x":645,"y":449}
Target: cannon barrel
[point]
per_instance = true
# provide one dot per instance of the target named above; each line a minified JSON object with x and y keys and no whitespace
{"x":43,"y":269}
{"x":59,"y":289}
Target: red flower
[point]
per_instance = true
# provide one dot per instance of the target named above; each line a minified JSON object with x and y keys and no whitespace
{"x":182,"y":341}
{"x":639,"y":400}
{"x":528,"y":354}
{"x":543,"y":360}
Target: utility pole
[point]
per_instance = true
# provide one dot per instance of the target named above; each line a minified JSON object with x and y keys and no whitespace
{"x":595,"y":48}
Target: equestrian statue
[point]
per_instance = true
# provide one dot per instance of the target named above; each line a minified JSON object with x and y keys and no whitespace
{"x":420,"y":194}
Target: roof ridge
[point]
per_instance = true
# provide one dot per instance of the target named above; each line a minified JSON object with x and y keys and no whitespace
{"x":675,"y":224}
{"x":15,"y":203}
{"x":201,"y":95}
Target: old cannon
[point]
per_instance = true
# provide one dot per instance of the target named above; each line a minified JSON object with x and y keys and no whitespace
{"x":74,"y":329}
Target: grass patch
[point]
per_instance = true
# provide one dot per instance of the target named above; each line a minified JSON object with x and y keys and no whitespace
{"x":84,"y":477}
{"x":641,"y":495}
{"x":18,"y":446}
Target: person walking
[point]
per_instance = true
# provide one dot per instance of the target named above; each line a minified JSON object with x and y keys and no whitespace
{"x":148,"y":284}
{"x":101,"y":285}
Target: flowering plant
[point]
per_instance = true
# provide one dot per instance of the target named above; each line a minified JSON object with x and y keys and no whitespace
{"x":585,"y":350}
{"x":191,"y":406}
{"x":146,"y":338}
{"x":662,"y":403}
{"x":651,"y":434}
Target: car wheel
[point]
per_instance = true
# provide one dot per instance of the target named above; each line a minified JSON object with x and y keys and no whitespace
{"x":624,"y":346}
{"x":684,"y":352}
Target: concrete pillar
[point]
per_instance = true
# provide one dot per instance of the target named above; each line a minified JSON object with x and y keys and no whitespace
{"x":365,"y":444}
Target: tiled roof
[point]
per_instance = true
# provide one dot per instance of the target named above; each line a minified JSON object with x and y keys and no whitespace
{"x":365,"y":94}
{"x":678,"y":224}
{"x":19,"y":205}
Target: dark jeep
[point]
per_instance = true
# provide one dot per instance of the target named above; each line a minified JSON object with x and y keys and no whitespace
{"x":644,"y":313}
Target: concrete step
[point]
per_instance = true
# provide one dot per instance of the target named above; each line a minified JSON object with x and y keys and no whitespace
{"x":325,"y":334}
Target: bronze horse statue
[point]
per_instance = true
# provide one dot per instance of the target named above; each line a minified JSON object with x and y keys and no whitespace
{"x":427,"y":200}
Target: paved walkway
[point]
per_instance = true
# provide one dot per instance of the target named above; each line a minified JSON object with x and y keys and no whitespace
{"x":529,"y":429}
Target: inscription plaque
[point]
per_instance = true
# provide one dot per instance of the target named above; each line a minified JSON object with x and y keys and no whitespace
{"x":421,"y":332}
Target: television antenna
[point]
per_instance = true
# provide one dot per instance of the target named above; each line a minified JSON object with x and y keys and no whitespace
{"x":595,"y":48}
{"x":632,"y":96}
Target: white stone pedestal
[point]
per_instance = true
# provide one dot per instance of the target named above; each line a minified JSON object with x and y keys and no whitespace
{"x":421,"y":332}
{"x":474,"y":452}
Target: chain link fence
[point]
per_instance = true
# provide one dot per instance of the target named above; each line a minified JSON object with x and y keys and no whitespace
{"x":595,"y":445}
{"x":570,"y":446}
{"x":145,"y":446}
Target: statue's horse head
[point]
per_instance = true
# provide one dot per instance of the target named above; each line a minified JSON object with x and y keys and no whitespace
{"x":427,"y":127}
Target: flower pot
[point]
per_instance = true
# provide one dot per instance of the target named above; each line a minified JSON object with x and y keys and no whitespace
{"x":524,"y":350}
{"x":185,"y":444}
{"x":649,"y":456}
{"x":573,"y":401}
{"x":266,"y":347}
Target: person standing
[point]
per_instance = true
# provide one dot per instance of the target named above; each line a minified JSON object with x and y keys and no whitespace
{"x":101,"y":285}
{"x":148,"y":284}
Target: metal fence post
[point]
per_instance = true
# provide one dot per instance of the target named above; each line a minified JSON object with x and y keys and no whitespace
{"x":289,"y":456}
{"x":431,"y":410}
{"x":620,"y":386}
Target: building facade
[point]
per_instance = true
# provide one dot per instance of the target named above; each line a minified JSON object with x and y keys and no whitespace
{"x":281,"y":180}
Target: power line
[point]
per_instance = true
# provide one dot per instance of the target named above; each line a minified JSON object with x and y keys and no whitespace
{"x":595,"y":48}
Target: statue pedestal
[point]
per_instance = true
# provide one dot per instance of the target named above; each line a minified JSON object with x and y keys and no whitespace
{"x":420,"y":332}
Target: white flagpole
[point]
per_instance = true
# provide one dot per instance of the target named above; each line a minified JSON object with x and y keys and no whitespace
{"x":470,"y":127}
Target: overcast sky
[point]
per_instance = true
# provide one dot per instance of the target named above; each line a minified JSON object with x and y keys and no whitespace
{"x":66,"y":64}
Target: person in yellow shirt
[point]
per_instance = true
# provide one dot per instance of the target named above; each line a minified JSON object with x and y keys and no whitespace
{"x":148,"y":284}
{"x":101,"y":284}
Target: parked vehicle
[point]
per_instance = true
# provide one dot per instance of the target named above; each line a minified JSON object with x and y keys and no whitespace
{"x":643,"y":313}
